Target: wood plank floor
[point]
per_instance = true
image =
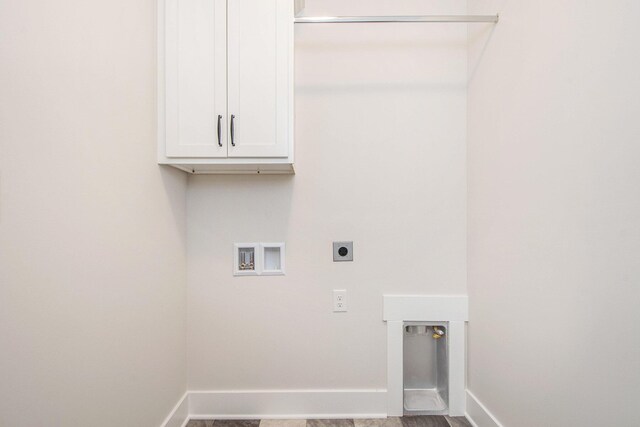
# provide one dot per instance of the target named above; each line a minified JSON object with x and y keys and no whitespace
{"x":420,"y":421}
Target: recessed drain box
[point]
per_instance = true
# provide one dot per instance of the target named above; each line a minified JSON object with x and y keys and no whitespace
{"x":425,"y":369}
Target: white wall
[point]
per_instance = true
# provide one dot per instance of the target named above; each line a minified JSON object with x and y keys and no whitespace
{"x":554,"y":208}
{"x":92,"y":231}
{"x":380,"y":160}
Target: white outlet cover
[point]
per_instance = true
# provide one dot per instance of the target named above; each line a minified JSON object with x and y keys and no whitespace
{"x":339,"y":300}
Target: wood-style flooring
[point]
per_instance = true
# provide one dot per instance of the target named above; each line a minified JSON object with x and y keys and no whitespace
{"x":420,"y":421}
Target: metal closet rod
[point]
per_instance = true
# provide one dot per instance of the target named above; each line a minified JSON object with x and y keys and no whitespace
{"x":397,"y":19}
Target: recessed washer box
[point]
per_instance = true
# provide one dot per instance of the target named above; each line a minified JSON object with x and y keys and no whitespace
{"x":246,"y":259}
{"x":258,"y":259}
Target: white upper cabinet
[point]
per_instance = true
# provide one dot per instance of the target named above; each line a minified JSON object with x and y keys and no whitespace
{"x":259,"y":86}
{"x":196,"y":78}
{"x":225,"y":85}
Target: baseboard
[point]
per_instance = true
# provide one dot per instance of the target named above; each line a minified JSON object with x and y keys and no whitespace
{"x":179,"y":416}
{"x":478,"y":414}
{"x":262,"y":404}
{"x":304,"y":404}
{"x":278,"y":404}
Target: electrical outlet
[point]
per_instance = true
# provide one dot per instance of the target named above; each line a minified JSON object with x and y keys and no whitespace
{"x":339,"y":300}
{"x":342,"y":251}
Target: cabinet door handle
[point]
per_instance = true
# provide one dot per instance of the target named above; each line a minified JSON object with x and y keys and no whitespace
{"x":233,"y":130}
{"x":219,"y":131}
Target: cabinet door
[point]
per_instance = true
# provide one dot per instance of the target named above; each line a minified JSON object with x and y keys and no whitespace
{"x":195,"y":78}
{"x":260,"y":73}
